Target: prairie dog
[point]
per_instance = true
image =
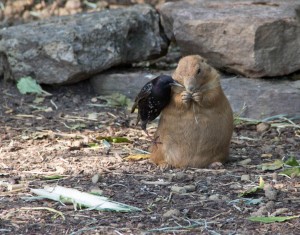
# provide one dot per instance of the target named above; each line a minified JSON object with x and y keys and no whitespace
{"x":195,"y":129}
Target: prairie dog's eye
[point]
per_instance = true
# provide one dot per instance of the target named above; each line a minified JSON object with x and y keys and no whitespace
{"x":198,"y":71}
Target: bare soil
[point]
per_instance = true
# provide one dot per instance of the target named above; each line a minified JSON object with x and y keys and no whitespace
{"x":55,"y":137}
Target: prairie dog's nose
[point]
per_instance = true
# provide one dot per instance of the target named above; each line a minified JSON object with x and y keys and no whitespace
{"x":190,"y":88}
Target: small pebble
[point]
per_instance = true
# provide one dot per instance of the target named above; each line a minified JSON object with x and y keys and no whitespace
{"x":77,"y":144}
{"x":280,"y":211}
{"x":76,"y":99}
{"x":140,"y":226}
{"x":267,"y":155}
{"x":225,"y":198}
{"x":190,"y":188}
{"x":260,"y":212}
{"x":270,"y":205}
{"x":95,"y":178}
{"x":235,"y":186}
{"x":262,"y":127}
{"x":93,"y":116}
{"x":73,"y":4}
{"x":202,"y":198}
{"x":171,"y":213}
{"x":96,"y":190}
{"x":94,"y":100}
{"x":275,"y":177}
{"x":244,"y":162}
{"x":245,"y":177}
{"x":180,"y":175}
{"x":178,"y":189}
{"x":270,"y":192}
{"x":214,"y":197}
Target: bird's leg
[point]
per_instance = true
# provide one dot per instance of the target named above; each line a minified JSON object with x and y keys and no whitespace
{"x":153,"y":140}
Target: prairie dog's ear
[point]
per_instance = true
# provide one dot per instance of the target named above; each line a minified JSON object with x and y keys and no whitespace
{"x":209,"y":68}
{"x":198,"y":57}
{"x":201,"y":59}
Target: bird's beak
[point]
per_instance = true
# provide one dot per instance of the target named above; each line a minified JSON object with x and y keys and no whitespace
{"x":175,"y":83}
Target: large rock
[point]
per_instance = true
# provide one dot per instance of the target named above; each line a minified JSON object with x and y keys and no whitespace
{"x":253,"y":38}
{"x":127,"y":82}
{"x":72,"y":48}
{"x":257,"y":98}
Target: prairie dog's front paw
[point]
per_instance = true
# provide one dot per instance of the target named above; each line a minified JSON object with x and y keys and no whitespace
{"x":197,"y":97}
{"x":186,"y":98}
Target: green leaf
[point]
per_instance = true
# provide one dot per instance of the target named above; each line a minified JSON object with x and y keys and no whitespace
{"x":113,"y":139}
{"x":291,"y":172}
{"x":272,"y":166}
{"x":116,"y":99}
{"x":90,"y":4}
{"x":246,"y":121}
{"x":137,"y":157}
{"x":120,"y":140}
{"x":93,"y":145}
{"x":77,"y":126}
{"x":272,"y":219}
{"x":28,"y":85}
{"x":52,"y":177}
{"x":254,"y":189}
{"x":292,"y":162}
{"x":261,"y":183}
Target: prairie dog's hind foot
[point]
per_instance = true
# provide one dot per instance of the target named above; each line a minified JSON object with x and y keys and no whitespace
{"x":216,"y":166}
{"x":163,"y":166}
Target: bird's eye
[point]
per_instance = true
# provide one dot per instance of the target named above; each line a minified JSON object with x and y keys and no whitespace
{"x":199,"y":71}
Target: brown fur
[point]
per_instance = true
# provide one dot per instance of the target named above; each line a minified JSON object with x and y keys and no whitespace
{"x":196,"y":127}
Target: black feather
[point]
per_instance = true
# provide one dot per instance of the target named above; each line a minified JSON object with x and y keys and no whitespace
{"x":152,"y":99}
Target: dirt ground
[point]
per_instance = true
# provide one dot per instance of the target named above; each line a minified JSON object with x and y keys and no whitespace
{"x":58,"y":135}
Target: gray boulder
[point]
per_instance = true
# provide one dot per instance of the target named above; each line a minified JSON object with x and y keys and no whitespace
{"x":72,"y":48}
{"x":257,"y":98}
{"x":262,"y":98}
{"x":252,"y":38}
{"x":127,"y":82}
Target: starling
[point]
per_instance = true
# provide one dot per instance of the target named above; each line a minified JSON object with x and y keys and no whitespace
{"x":153,"y":98}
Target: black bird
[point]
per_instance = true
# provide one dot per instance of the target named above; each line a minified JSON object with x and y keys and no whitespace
{"x":153,"y":98}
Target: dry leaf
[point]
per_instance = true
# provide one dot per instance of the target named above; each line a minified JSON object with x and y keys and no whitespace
{"x":137,"y":157}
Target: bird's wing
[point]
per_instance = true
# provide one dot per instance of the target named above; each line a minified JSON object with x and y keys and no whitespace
{"x":144,"y":93}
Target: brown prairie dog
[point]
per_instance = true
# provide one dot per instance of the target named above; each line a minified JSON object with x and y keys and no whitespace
{"x":196,"y":127}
